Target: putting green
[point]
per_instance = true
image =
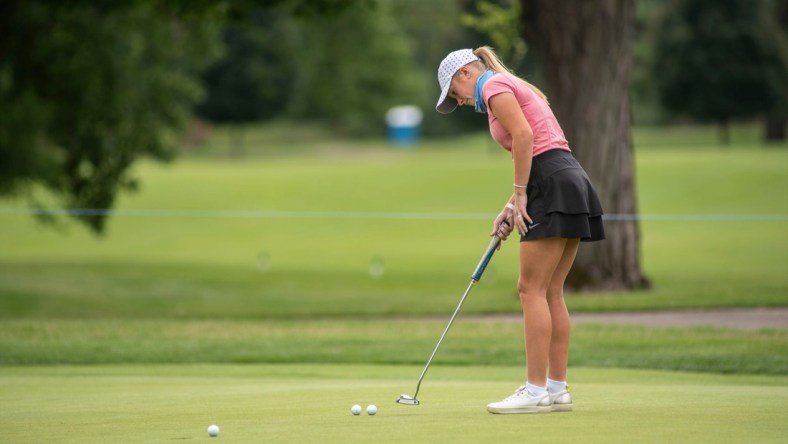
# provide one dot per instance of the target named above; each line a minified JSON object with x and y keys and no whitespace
{"x":311,"y":403}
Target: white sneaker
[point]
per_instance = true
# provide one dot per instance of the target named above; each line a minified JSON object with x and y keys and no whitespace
{"x":521,"y":402}
{"x":560,"y":401}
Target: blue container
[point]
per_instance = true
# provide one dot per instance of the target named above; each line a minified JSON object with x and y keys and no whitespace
{"x":403,"y":135}
{"x":404,"y":123}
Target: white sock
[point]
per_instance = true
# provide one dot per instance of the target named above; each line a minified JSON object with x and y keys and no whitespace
{"x":535,"y":390}
{"x":555,"y":386}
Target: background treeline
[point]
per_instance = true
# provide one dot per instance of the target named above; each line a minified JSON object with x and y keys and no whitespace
{"x":346,"y":67}
{"x":89,"y":87}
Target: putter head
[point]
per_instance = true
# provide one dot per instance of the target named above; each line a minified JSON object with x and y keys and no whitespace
{"x":407,"y":400}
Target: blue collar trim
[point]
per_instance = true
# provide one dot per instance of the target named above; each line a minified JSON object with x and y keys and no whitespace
{"x":480,"y":106}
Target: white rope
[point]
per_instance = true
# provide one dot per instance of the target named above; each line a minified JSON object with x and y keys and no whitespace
{"x":355,"y":215}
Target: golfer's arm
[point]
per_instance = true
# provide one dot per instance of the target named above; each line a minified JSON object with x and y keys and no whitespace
{"x":521,"y":153}
{"x":506,"y":108}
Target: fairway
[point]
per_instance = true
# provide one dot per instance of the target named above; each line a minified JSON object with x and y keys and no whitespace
{"x":256,"y":238}
{"x":311,"y":403}
{"x":238,"y":292}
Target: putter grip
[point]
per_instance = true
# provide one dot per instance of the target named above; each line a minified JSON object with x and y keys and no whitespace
{"x":488,"y":254}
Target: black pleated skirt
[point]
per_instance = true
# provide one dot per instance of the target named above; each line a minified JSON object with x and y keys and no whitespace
{"x":561,"y":200}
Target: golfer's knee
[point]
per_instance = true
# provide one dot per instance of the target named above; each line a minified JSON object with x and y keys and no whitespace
{"x":528,"y":291}
{"x":555,"y":293}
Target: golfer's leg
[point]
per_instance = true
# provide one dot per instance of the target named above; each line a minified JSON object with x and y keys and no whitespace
{"x":561,"y":326}
{"x":538,"y":262}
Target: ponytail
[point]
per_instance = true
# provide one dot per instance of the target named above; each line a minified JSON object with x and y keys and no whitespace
{"x":491,"y":60}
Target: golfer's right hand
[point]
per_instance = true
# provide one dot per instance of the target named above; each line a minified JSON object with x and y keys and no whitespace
{"x":503,"y":225}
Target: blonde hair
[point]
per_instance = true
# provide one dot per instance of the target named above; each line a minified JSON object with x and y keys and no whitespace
{"x":491,"y":60}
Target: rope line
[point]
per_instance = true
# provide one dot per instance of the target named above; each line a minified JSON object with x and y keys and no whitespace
{"x":265,"y":214}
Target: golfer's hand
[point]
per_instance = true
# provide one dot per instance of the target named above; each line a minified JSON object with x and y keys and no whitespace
{"x":520,"y":215}
{"x":503,"y":225}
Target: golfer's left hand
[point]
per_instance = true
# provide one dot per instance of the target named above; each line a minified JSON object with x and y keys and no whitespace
{"x":503,"y":224}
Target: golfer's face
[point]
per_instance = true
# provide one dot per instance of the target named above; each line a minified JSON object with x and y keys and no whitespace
{"x":462,"y":88}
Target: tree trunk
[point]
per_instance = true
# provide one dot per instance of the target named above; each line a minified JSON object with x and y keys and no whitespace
{"x":584,"y":50}
{"x":775,"y":123}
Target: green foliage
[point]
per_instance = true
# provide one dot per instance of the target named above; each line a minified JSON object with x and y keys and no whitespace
{"x":252,"y":79}
{"x":351,"y":68}
{"x":646,"y":108}
{"x":89,"y":89}
{"x":433,"y":29}
{"x":346,"y":67}
{"x":719,"y":60}
{"x":501,"y":22}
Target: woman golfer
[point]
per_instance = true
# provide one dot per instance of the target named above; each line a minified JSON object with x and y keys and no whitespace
{"x":553,"y":207}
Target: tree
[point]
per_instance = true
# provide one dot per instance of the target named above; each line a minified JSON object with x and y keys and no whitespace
{"x":431,"y":28}
{"x":585,"y":53}
{"x":88,"y":88}
{"x":252,"y":79}
{"x":351,"y":68}
{"x":500,"y":23}
{"x":718,"y":60}
{"x":345,"y":63}
{"x":776,"y":121}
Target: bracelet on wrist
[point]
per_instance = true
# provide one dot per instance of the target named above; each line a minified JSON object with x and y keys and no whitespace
{"x":521,"y":186}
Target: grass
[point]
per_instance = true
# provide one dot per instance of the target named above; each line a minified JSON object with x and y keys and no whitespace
{"x":274,"y":326}
{"x":185,"y":265}
{"x":380,"y":341}
{"x":297,"y":403}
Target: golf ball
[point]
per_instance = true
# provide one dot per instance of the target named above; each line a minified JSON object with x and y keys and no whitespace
{"x":213,"y":430}
{"x":356,"y":410}
{"x":371,"y":409}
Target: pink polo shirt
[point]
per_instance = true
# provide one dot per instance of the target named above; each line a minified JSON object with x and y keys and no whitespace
{"x":547,"y":133}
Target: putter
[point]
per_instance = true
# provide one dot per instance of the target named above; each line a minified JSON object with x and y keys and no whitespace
{"x":477,"y":274}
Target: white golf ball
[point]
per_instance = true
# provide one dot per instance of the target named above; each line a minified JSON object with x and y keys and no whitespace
{"x":356,"y":410}
{"x":371,"y":409}
{"x":213,"y":430}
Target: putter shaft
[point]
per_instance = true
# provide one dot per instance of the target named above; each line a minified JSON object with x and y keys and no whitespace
{"x":477,"y":274}
{"x":446,"y":330}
